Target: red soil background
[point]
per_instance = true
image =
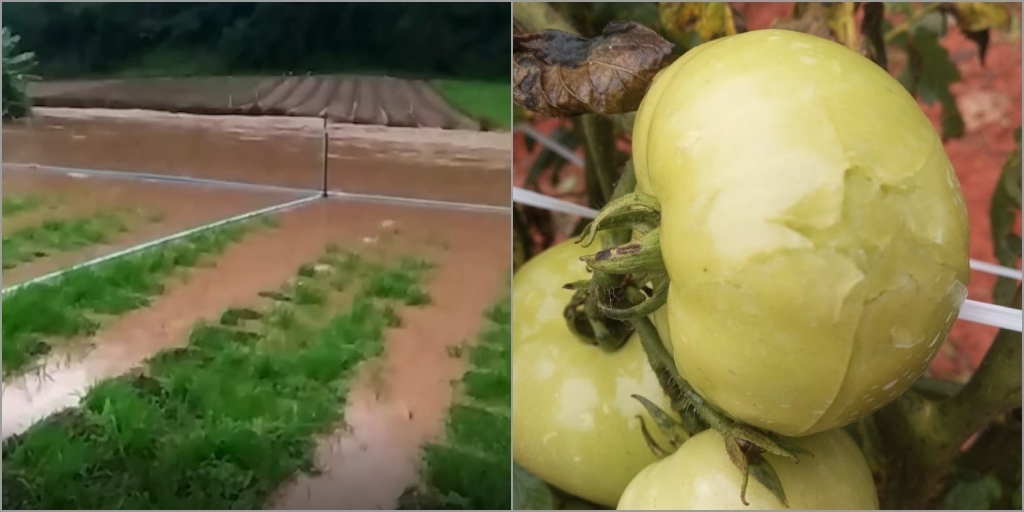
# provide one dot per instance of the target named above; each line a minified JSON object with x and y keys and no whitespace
{"x":989,"y":98}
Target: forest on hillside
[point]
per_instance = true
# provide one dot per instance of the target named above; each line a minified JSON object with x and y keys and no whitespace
{"x":469,"y":40}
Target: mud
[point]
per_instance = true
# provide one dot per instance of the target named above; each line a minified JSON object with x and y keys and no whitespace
{"x":168,"y":144}
{"x":367,"y":100}
{"x":400,"y":402}
{"x":448,"y":165}
{"x":422,"y":164}
{"x":181,"y":206}
{"x":264,"y":261}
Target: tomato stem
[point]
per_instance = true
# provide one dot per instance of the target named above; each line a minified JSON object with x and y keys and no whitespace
{"x":752,"y":440}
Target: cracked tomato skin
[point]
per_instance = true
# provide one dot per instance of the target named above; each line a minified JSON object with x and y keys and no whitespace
{"x":700,"y":476}
{"x":813,"y":229}
{"x":576,"y":425}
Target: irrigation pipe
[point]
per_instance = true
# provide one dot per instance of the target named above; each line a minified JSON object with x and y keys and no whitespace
{"x":531,"y":198}
{"x":162,"y":178}
{"x":972,"y":310}
{"x":164,"y":240}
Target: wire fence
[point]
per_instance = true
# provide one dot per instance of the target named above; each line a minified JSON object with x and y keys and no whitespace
{"x":972,"y":310}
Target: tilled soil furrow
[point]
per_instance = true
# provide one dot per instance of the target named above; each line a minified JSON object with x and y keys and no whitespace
{"x":320,"y":98}
{"x":251,"y":100}
{"x":272,"y":102}
{"x":397,"y":103}
{"x":341,"y":107}
{"x":399,"y":404}
{"x":429,"y":96}
{"x":306,"y":89}
{"x":369,"y":107}
{"x":427,"y":114}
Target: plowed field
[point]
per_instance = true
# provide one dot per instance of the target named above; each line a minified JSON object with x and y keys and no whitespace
{"x":370,"y":100}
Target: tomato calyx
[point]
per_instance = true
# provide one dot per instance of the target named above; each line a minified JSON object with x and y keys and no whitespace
{"x":586,"y":321}
{"x":629,"y":282}
{"x":745,"y":444}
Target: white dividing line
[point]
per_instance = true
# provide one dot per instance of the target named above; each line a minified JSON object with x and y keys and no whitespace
{"x":991,"y":268}
{"x":428,"y":203}
{"x":551,"y":144}
{"x":991,"y":314}
{"x":159,"y":241}
{"x":972,"y":311}
{"x":163,"y":178}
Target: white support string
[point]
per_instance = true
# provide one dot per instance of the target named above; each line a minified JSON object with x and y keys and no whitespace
{"x":972,"y":310}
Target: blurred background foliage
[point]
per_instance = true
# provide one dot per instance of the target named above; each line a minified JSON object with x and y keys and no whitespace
{"x":467,"y":40}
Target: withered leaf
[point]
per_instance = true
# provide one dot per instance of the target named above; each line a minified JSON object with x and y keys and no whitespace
{"x":558,"y":74}
{"x":976,"y":19}
{"x":835,"y":21}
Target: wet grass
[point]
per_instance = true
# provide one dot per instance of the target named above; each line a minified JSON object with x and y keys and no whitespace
{"x":223,"y":422}
{"x":487,"y":100}
{"x":40,"y":316}
{"x":471,"y":470}
{"x":14,"y":205}
{"x":63,"y":235}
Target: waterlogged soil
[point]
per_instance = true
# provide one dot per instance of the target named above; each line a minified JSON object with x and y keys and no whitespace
{"x":398,"y":403}
{"x":169,"y":207}
{"x":446,"y":165}
{"x":465,"y":167}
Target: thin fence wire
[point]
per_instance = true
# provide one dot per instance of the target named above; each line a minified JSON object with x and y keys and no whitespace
{"x":972,"y":311}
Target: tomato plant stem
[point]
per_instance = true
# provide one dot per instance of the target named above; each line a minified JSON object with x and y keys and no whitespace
{"x":599,"y":135}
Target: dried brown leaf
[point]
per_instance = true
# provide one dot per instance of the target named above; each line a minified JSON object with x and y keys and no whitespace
{"x":835,"y":21}
{"x":558,"y":74}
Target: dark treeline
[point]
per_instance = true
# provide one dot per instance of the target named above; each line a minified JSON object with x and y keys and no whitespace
{"x":469,"y":40}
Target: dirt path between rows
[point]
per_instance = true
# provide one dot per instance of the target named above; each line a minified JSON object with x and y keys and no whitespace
{"x":181,"y":206}
{"x":400,"y":402}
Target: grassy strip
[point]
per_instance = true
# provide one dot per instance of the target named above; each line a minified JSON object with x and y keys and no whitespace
{"x":62,"y":235}
{"x":223,"y":422}
{"x":37,"y":316}
{"x":471,"y":470}
{"x":14,"y":205}
{"x":489,"y":100}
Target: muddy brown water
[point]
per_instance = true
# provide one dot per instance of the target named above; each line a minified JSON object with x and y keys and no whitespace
{"x":181,"y":206}
{"x":400,"y":402}
{"x":397,"y":405}
{"x":444,"y":165}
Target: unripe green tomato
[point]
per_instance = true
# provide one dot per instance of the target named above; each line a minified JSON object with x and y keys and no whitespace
{"x":576,"y":425}
{"x":700,"y":476}
{"x":813,"y":229}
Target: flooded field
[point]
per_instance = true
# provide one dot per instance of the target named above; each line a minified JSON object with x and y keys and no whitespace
{"x":447,"y":165}
{"x":340,"y":324}
{"x":159,"y":210}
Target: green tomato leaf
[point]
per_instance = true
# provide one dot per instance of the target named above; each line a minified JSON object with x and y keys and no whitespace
{"x":1006,"y":202}
{"x":530,"y":492}
{"x":930,"y":71}
{"x":974,"y":494}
